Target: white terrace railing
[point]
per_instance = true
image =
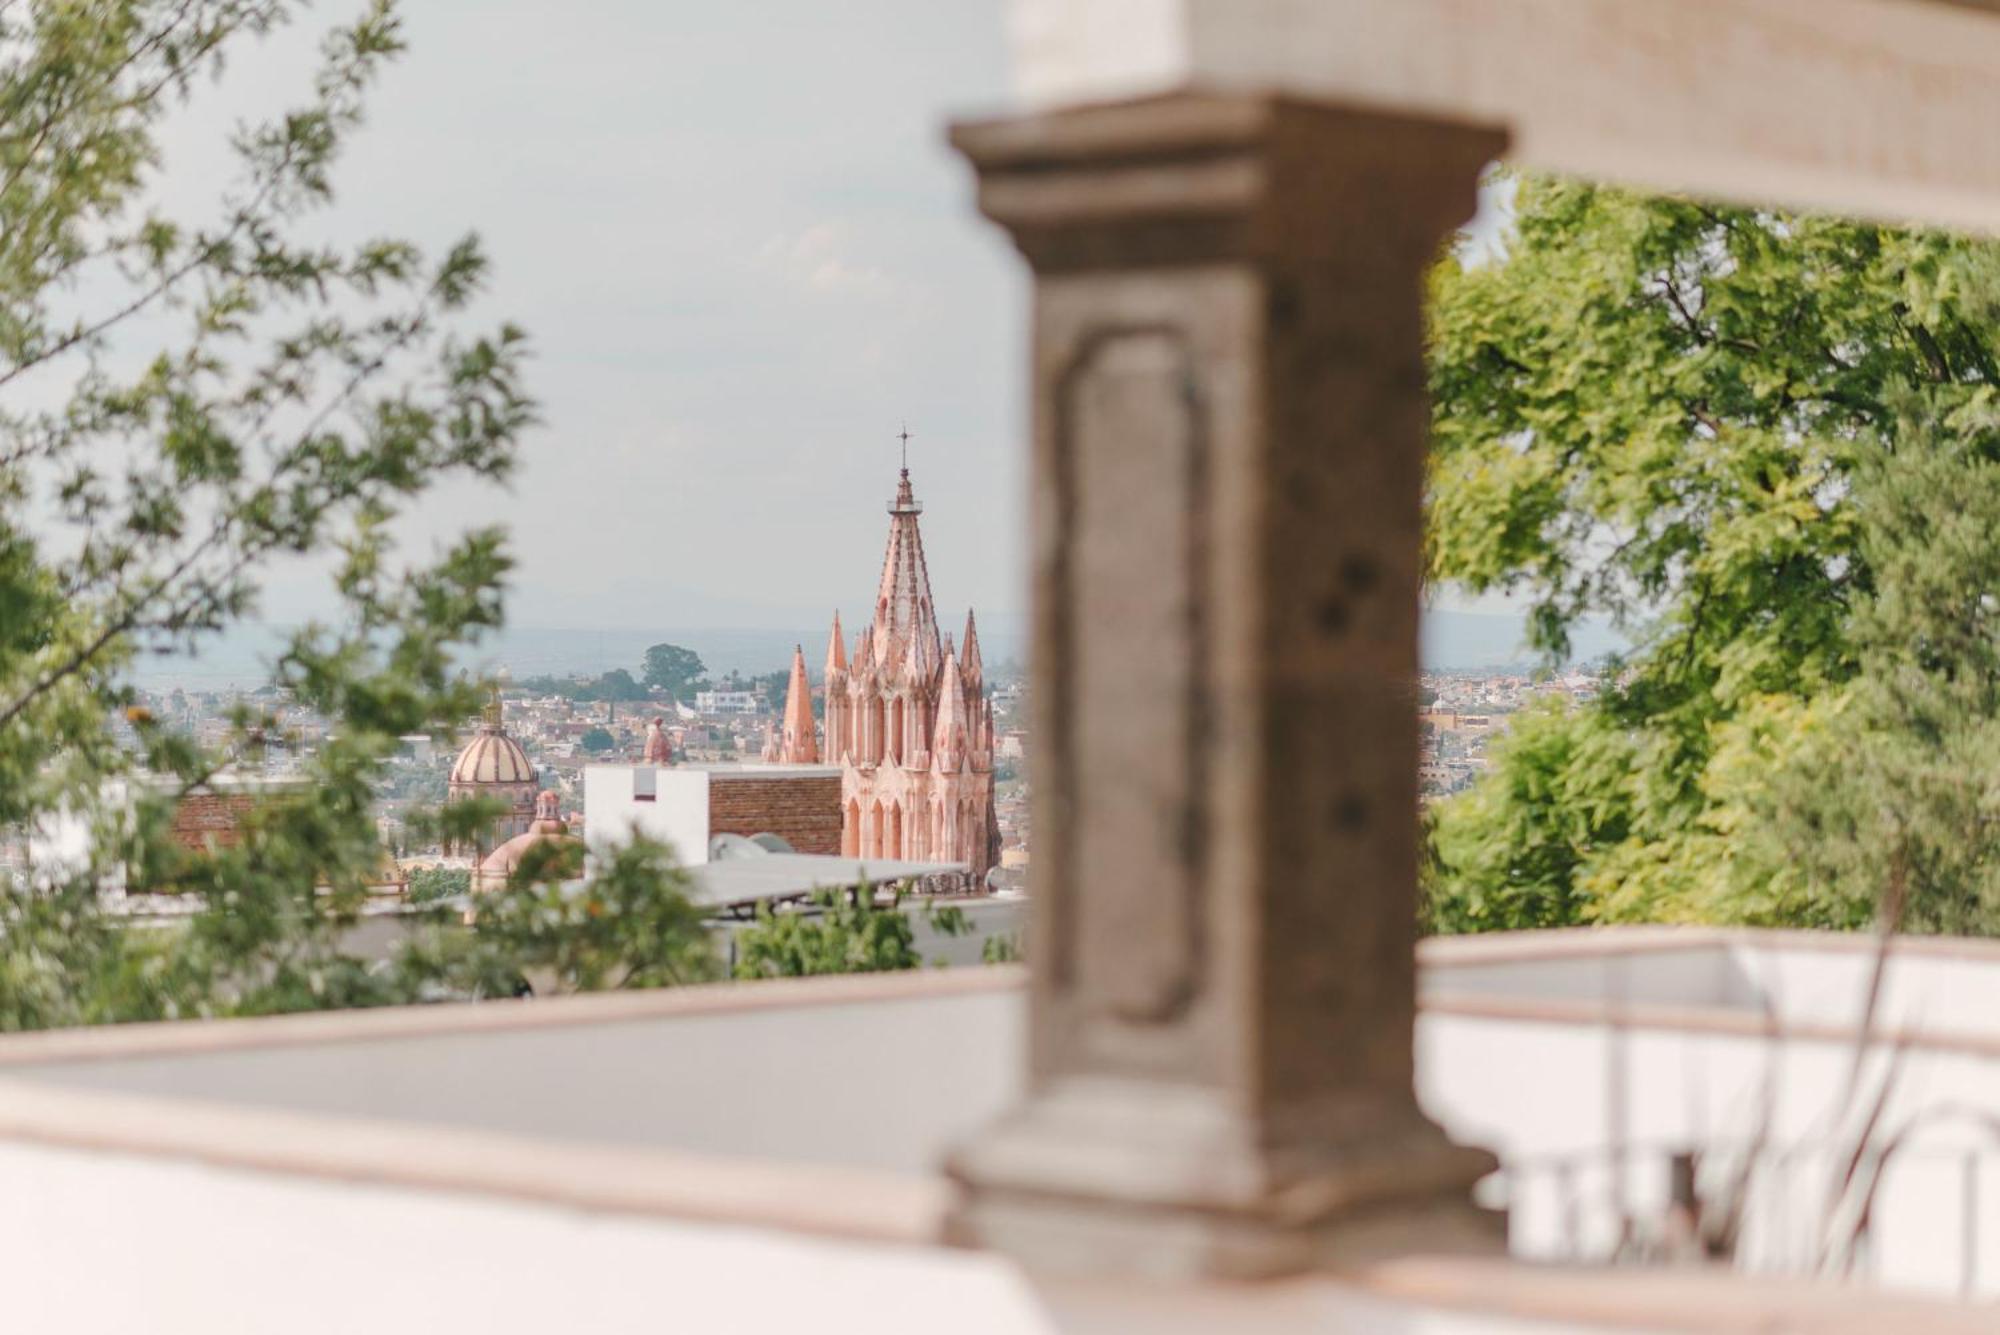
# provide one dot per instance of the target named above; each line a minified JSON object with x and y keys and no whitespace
{"x":1661,"y":1095}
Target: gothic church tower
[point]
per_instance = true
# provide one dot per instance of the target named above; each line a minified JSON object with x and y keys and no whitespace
{"x":908,"y":721}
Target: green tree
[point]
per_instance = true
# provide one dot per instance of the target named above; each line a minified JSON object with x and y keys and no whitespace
{"x":183,"y":401}
{"x":632,"y":926}
{"x":596,"y":740}
{"x":1671,"y":413}
{"x":428,"y":885}
{"x":1883,"y":796}
{"x":412,"y":782}
{"x":677,"y":671}
{"x":616,"y":684}
{"x":846,"y":932}
{"x":566,"y":687}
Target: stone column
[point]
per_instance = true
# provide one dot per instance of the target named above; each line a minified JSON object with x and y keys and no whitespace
{"x":1228,"y":466}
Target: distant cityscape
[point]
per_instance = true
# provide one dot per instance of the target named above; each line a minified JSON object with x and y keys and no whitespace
{"x":1463,"y":713}
{"x":564,"y":725}
{"x":911,"y":746}
{"x":907,"y":744}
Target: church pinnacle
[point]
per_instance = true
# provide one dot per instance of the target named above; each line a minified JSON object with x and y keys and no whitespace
{"x":903,"y":612}
{"x":799,"y":745}
{"x":907,"y":718}
{"x":836,"y":650}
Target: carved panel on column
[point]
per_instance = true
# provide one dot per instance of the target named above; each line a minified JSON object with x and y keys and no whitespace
{"x":1131,"y":461}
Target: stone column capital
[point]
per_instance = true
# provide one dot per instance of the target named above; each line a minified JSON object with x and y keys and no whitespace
{"x":1201,"y":178}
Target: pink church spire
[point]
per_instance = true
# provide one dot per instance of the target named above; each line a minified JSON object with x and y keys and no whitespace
{"x":970,"y":664}
{"x":948,"y":738}
{"x":907,"y":720}
{"x":800,"y":745}
{"x":903,"y":594}
{"x":836,"y":650}
{"x":864,"y":652}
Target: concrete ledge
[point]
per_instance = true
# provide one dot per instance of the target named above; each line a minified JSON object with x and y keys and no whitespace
{"x":180,"y":1037}
{"x":1876,"y":107}
{"x":1446,"y":952}
{"x":798,"y":1198}
{"x":1438,"y":956}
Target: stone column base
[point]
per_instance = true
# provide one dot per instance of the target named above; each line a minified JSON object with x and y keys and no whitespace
{"x":1107,"y":1177}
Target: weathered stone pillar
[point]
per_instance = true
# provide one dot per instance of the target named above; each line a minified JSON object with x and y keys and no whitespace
{"x":1228,"y":464}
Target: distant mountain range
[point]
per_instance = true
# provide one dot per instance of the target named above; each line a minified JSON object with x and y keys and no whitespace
{"x":1453,"y":641}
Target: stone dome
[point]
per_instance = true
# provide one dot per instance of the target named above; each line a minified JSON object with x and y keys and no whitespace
{"x":492,"y":757}
{"x":549,"y":827}
{"x":494,"y":767}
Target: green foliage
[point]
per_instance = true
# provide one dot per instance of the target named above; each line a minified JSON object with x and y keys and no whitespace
{"x":428,"y":885}
{"x":677,"y":671}
{"x":184,"y":401}
{"x":847,"y":932}
{"x":1889,"y":789}
{"x":411,"y":782}
{"x":1715,"y":426}
{"x":596,"y":741}
{"x":1002,"y":949}
{"x":1511,"y":849}
{"x":546,"y":684}
{"x":616,"y":684}
{"x":632,"y":926}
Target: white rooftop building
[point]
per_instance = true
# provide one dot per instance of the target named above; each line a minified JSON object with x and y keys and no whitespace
{"x":727,"y":702}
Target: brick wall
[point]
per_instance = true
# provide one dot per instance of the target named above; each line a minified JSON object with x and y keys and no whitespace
{"x":214,"y":820}
{"x":804,"y":809}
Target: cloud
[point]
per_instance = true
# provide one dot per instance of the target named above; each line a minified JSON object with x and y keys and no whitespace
{"x":819,"y":260}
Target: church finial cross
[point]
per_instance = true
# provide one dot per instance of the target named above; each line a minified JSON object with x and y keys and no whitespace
{"x":906,"y":500}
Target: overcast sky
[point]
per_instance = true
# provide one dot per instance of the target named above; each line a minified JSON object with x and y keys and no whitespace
{"x":745,"y":257}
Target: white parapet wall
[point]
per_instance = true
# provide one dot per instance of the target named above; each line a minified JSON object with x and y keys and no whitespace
{"x":1588,"y":1060}
{"x":748,"y":1158}
{"x":763,"y":1156}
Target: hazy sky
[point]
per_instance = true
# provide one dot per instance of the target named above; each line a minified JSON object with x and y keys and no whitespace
{"x":745,"y":258}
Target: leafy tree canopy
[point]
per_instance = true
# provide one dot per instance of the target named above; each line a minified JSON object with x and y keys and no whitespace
{"x":597,"y":740}
{"x":1722,"y":427}
{"x":431,"y":884}
{"x":616,"y":684}
{"x":185,"y":398}
{"x":847,"y":932}
{"x":677,"y":671}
